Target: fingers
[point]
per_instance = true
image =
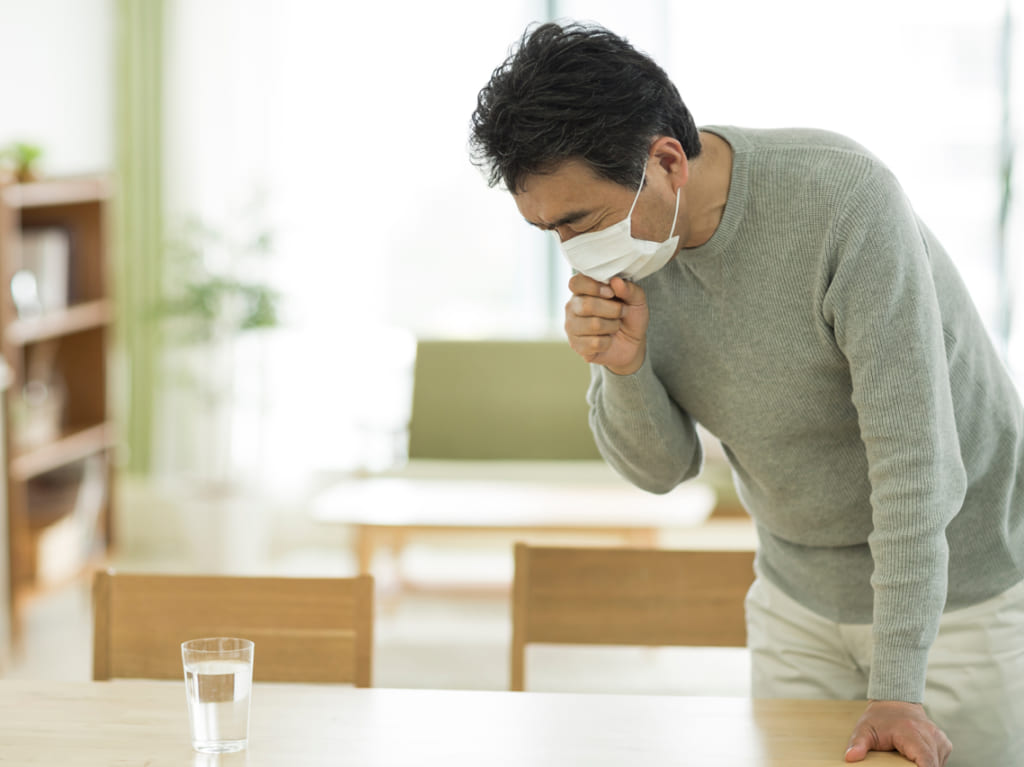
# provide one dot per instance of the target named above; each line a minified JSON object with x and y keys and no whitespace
{"x":591,"y":348}
{"x":865,"y":738}
{"x":592,"y":310}
{"x":887,"y":727}
{"x":857,"y":750}
{"x":927,"y":747}
{"x":582,"y":285}
{"x":589,"y":306}
{"x":596,"y":299}
{"x":628,"y":292}
{"x":590,"y":335}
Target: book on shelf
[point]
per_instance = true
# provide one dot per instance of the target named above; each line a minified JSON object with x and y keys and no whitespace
{"x":41,"y":285}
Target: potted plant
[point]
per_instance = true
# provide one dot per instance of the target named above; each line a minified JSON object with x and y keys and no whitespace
{"x":21,"y":160}
{"x":213,"y":296}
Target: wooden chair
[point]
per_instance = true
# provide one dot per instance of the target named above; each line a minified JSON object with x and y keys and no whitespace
{"x":305,"y":629}
{"x":620,"y":596}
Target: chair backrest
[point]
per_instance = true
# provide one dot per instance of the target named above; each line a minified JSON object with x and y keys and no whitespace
{"x":627,"y":596}
{"x":304,"y":629}
{"x":500,"y":400}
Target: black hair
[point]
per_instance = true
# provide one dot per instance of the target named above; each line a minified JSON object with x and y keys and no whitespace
{"x":575,"y":91}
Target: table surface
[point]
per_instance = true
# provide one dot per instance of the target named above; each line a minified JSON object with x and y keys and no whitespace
{"x":141,"y":722}
{"x":485,"y":494}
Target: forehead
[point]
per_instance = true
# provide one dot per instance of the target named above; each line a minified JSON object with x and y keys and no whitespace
{"x":572,"y":186}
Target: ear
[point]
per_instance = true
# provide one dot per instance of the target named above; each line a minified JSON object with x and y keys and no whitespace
{"x":669,"y":154}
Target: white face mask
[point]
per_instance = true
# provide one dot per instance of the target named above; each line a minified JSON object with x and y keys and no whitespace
{"x":613,"y":251}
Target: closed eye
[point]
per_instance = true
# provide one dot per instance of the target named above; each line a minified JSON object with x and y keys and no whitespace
{"x":571,"y":220}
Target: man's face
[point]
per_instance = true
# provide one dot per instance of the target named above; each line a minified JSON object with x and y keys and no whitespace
{"x":574,"y":200}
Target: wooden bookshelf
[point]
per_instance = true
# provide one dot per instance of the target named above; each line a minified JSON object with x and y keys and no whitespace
{"x":56,"y":324}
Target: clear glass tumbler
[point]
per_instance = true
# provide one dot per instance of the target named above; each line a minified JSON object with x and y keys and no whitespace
{"x":218,"y":686}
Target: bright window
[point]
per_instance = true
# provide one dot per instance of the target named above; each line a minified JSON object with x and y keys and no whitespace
{"x":353,"y":118}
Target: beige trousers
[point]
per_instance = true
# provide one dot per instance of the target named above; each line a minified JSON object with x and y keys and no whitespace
{"x":975,"y":682}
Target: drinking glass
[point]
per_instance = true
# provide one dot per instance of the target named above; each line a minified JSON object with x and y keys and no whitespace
{"x":218,"y":685}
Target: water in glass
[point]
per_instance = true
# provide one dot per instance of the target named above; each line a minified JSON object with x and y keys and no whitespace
{"x":219,"y":692}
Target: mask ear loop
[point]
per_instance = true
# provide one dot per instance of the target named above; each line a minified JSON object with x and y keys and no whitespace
{"x":675,"y":215}
{"x":637,"y":198}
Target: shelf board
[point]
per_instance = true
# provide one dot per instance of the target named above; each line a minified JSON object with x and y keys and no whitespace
{"x":59,"y":191}
{"x":73,"y":446}
{"x":76,"y":318}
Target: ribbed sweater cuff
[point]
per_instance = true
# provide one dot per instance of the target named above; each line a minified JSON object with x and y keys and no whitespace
{"x":898,"y":674}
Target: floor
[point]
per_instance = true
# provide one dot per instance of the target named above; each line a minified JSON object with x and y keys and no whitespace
{"x":425,"y":639}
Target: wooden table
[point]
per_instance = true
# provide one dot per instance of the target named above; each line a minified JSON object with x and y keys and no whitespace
{"x":517,"y":498}
{"x":134,"y":722}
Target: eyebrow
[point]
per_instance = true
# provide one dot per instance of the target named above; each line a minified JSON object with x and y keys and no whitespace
{"x":568,"y":218}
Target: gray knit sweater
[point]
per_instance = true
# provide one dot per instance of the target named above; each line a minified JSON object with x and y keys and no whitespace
{"x":824,"y":336}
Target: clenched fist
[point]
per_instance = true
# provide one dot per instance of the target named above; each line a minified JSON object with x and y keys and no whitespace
{"x":607,"y":323}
